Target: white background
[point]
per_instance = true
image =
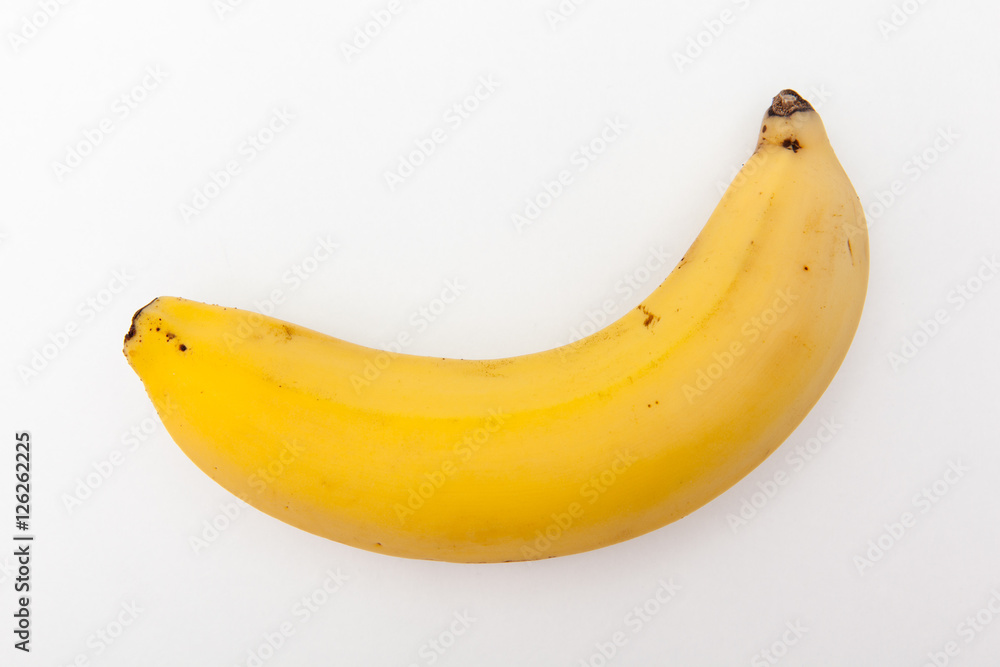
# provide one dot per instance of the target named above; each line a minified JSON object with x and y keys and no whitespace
{"x":111,"y":231}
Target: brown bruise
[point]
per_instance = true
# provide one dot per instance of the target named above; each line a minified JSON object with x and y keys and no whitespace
{"x":651,"y":318}
{"x":792,"y":144}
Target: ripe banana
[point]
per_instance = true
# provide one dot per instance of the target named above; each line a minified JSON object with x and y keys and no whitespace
{"x":544,"y":454}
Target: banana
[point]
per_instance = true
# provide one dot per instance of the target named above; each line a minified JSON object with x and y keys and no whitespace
{"x":551,"y":453}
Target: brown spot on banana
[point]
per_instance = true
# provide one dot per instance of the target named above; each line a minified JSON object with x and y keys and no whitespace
{"x":651,"y":318}
{"x":791,"y":144}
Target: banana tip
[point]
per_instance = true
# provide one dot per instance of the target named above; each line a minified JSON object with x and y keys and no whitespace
{"x":788,"y":102}
{"x":131,"y":330}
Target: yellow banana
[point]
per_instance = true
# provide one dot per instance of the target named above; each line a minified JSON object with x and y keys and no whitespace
{"x":544,"y":454}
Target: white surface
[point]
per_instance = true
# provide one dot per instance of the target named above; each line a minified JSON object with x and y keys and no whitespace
{"x":884,"y":99}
